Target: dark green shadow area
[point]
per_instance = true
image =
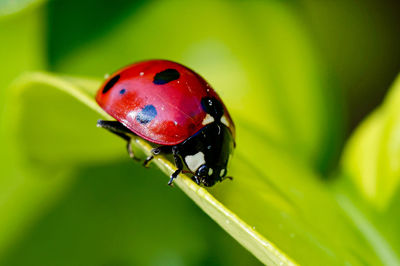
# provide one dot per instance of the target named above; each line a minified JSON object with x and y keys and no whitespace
{"x":72,"y":23}
{"x":123,"y":214}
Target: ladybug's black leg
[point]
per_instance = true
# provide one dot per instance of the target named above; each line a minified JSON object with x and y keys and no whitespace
{"x":130,"y":151}
{"x":178,"y":164}
{"x":148,"y":160}
{"x":115,"y":127}
{"x":120,"y":130}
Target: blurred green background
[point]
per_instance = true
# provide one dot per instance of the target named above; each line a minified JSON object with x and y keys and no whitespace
{"x":345,"y":52}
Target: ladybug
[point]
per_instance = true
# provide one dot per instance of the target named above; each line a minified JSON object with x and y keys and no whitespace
{"x":173,"y":107}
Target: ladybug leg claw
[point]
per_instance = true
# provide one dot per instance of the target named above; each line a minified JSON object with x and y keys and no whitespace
{"x":196,"y":179}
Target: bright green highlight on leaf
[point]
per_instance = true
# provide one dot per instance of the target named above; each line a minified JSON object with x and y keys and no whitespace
{"x":372,"y":157}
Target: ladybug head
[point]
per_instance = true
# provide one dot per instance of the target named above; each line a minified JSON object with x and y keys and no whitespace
{"x":208,"y":177}
{"x":203,"y":175}
{"x":207,"y":153}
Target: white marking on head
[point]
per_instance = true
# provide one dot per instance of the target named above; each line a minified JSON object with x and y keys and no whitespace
{"x":194,"y":161}
{"x":221,"y":174}
{"x":210,"y":171}
{"x":224,"y":121}
{"x":208,"y":119}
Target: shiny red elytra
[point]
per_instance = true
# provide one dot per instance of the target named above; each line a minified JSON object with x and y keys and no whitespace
{"x":170,"y":105}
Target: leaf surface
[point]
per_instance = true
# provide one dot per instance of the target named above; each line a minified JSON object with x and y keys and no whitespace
{"x":275,"y":207}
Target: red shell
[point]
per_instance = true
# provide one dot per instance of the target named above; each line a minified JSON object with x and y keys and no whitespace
{"x":178,"y":102}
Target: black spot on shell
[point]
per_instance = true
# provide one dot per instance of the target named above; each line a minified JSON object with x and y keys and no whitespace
{"x":147,"y":114}
{"x":213,"y":107}
{"x":122,"y":91}
{"x":111,"y":83}
{"x":166,"y":76}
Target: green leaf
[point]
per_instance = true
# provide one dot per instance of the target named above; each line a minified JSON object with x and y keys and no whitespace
{"x":372,"y":156}
{"x":29,"y":23}
{"x":275,"y":207}
{"x":10,"y":7}
{"x":19,"y":52}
